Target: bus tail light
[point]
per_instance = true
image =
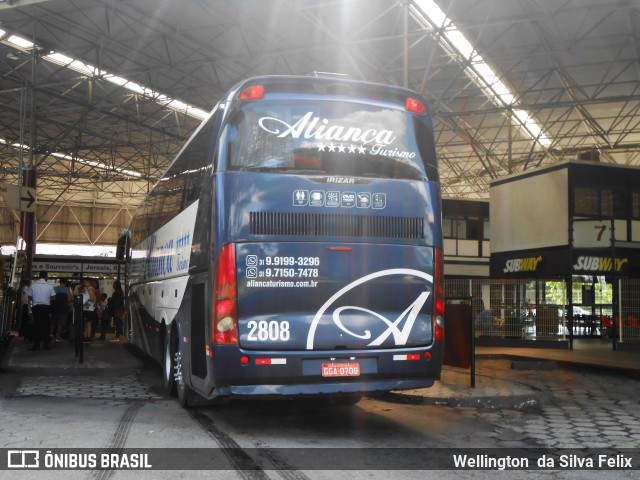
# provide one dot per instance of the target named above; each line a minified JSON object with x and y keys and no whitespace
{"x":414,"y":105}
{"x":255,"y":92}
{"x":438,"y":298}
{"x":224,"y":328}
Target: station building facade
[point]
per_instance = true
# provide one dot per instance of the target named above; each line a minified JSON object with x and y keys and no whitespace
{"x":562,"y":245}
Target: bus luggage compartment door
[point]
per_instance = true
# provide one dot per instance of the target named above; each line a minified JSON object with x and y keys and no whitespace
{"x":318,"y":296}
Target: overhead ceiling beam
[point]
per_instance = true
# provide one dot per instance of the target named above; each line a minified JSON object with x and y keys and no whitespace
{"x":572,"y":88}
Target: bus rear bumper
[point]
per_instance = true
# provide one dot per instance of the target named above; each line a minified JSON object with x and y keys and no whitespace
{"x":247,"y":373}
{"x":321,"y":389}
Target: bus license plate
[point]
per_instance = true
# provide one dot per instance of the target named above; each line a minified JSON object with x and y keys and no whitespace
{"x":347,"y":369}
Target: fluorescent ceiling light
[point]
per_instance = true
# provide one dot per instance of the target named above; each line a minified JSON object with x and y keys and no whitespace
{"x":479,"y":71}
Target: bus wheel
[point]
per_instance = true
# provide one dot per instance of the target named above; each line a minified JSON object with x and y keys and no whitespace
{"x":168,"y":365}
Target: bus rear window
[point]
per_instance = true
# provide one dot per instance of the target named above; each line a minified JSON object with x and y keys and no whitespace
{"x":328,"y":138}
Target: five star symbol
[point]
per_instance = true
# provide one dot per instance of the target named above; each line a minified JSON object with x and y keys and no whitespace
{"x":342,"y":148}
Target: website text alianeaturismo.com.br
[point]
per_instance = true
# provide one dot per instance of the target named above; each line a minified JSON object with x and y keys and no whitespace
{"x":387,"y":459}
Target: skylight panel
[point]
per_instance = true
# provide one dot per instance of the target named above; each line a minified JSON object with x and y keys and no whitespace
{"x":117,"y":80}
{"x":100,"y":165}
{"x":20,"y":42}
{"x":59,"y":58}
{"x":135,"y":88}
{"x":91,"y":71}
{"x":479,"y":71}
{"x":64,"y":249}
{"x":64,"y":156}
{"x":532,"y":127}
{"x":461,"y":43}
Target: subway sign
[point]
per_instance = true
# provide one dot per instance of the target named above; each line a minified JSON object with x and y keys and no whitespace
{"x":527,"y":264}
{"x":562,"y":262}
{"x":587,"y":263}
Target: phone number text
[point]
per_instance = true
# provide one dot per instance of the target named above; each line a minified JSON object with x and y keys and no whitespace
{"x":292,"y":261}
{"x":291,"y":272}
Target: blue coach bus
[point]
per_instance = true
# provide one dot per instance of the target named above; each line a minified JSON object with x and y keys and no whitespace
{"x":294,"y":246}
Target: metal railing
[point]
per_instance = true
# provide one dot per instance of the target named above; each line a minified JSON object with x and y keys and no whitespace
{"x":537,"y":309}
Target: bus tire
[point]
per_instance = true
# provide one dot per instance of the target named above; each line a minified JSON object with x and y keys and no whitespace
{"x":168,"y":364}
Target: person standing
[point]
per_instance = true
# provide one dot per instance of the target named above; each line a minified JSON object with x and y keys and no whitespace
{"x":88,"y":310}
{"x":60,"y":309}
{"x":103,"y":315}
{"x":25,"y":328}
{"x":117,"y":307}
{"x":96,"y":320}
{"x":41,"y":294}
